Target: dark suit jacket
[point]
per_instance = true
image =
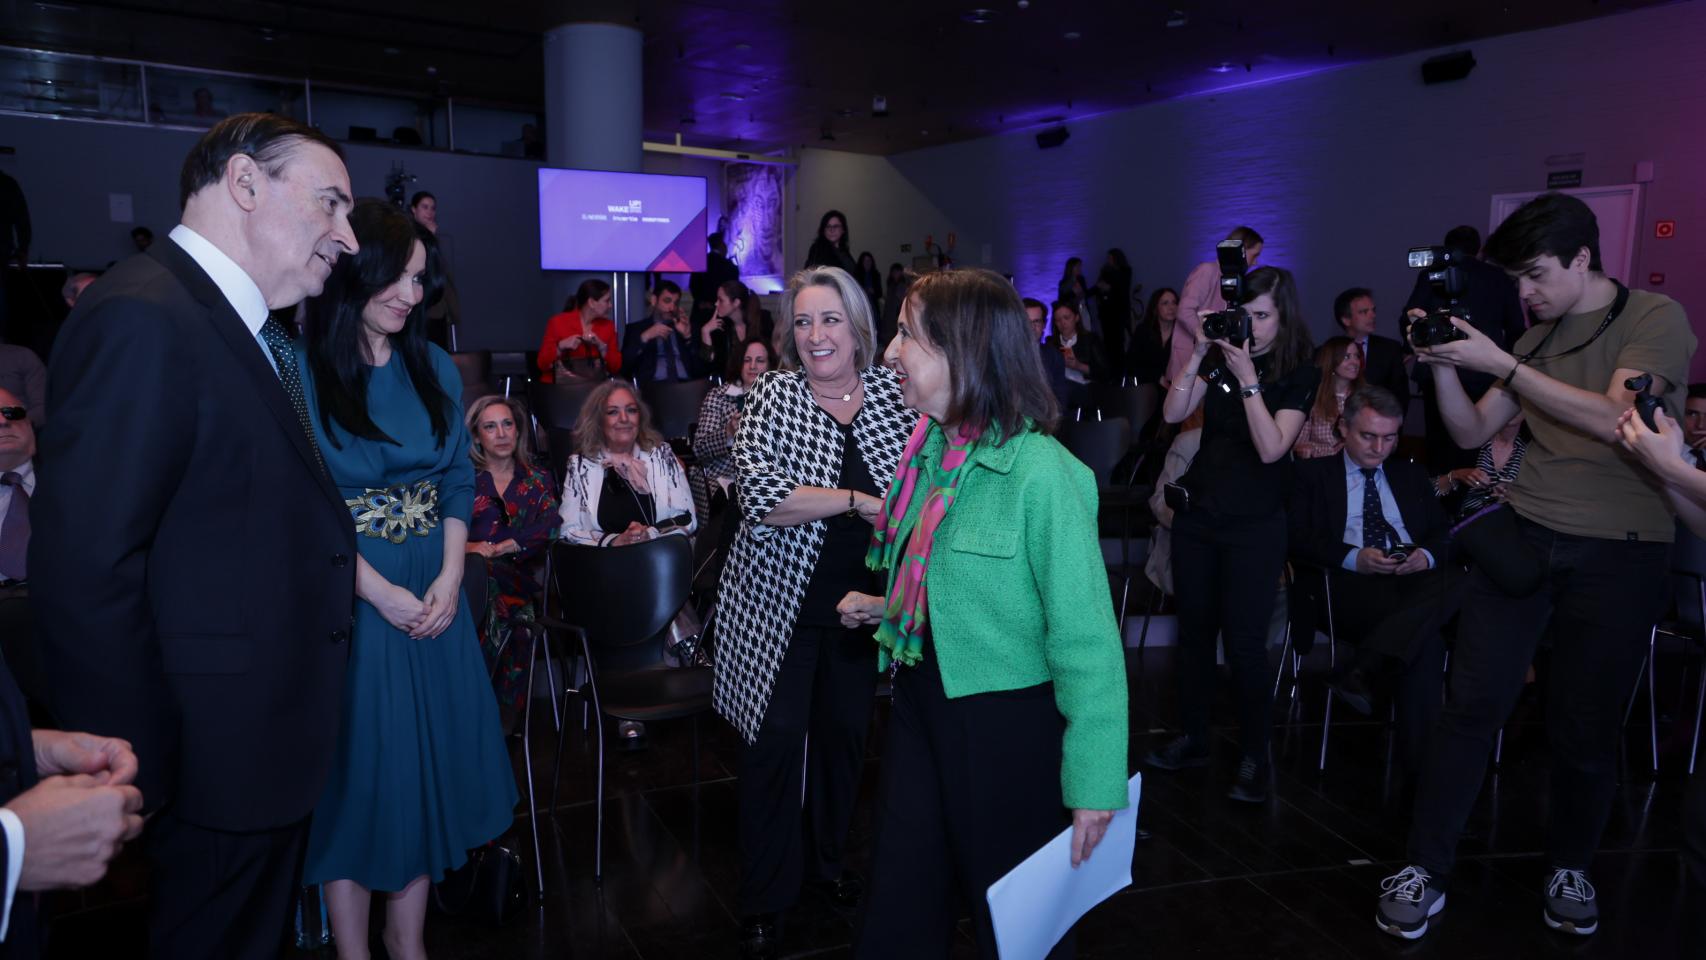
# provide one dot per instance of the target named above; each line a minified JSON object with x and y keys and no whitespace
{"x":191,"y":565}
{"x":640,"y":359}
{"x":1317,"y":510}
{"x":1089,"y":350}
{"x":1054,"y":368}
{"x":17,"y":774}
{"x":1384,"y":367}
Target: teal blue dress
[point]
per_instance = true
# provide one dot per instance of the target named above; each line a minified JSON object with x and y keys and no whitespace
{"x":422,"y":774}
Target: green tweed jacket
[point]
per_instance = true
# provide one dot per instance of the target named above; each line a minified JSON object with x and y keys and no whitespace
{"x":1018,"y":596}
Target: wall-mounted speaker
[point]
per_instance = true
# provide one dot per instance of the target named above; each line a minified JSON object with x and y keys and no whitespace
{"x":1447,"y":67}
{"x":1052,"y":137}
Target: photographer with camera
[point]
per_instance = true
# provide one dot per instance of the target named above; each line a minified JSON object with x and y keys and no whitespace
{"x":1229,"y":518}
{"x":1589,"y":523}
{"x":1202,"y":294}
{"x":1486,"y":297}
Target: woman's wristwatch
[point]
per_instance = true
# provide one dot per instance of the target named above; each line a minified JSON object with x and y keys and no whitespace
{"x":1250,"y":391}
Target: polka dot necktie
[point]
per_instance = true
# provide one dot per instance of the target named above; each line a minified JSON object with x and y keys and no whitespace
{"x":278,"y":343}
{"x":1376,"y":532}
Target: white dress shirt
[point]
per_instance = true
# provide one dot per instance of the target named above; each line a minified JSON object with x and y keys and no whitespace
{"x":238,"y":287}
{"x":1353,"y":510}
{"x":14,"y":865}
{"x":1076,"y":376}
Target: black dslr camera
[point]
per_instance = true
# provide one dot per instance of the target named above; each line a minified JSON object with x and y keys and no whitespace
{"x":1445,"y":276}
{"x":1233,"y":323}
{"x":1645,"y":402}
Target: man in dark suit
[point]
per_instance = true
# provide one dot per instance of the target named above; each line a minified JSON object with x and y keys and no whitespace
{"x":1349,"y":515}
{"x":1490,"y":303}
{"x":1054,"y":364}
{"x":67,"y":805}
{"x":660,"y":347}
{"x":192,"y":563}
{"x":1382,"y":357}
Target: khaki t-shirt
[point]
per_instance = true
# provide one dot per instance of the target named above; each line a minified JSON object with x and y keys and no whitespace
{"x":1588,"y":486}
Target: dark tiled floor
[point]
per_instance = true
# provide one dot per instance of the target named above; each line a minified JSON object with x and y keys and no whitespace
{"x":1294,"y":878}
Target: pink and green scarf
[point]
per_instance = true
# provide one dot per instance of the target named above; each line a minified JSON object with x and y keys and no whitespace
{"x":906,"y":532}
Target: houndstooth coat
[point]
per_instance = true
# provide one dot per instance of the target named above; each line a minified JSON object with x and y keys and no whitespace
{"x":786,"y":440}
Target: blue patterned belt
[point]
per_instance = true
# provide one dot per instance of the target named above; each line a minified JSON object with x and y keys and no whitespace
{"x":392,"y":513}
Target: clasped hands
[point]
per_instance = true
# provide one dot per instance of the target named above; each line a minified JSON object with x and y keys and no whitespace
{"x":81,"y":813}
{"x":425,"y":616}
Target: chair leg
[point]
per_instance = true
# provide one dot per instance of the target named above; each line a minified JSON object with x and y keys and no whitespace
{"x":1499,"y":747}
{"x":551,"y":679}
{"x":1326,"y":730}
{"x":1143,"y":636}
{"x":1652,"y":705}
{"x":598,"y":849}
{"x":527,"y":765}
{"x":1285,"y":648}
{"x":1699,"y":708}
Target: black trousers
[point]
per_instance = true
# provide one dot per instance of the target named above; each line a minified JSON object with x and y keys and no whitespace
{"x":1395,"y":623}
{"x":971,"y":787}
{"x":815,"y":727}
{"x":1227,"y":570}
{"x":1694,"y":830}
{"x":220,"y":895}
{"x":1601,"y":598}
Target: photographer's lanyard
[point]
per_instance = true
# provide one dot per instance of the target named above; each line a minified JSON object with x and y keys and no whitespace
{"x":1617,"y":306}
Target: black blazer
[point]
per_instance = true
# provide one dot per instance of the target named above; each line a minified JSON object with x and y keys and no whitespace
{"x":1089,"y":351}
{"x":17,"y":774}
{"x":640,"y":358}
{"x":1384,"y":367}
{"x":1317,"y":510}
{"x":191,"y":565}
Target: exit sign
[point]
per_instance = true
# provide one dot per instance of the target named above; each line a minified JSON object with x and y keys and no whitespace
{"x":1560,"y":179}
{"x":1664,"y":229}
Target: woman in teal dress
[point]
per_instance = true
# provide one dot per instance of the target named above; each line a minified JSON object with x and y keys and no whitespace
{"x":422,"y":774}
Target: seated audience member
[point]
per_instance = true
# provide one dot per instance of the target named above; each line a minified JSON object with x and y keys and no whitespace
{"x":719,"y":415}
{"x":623,"y":483}
{"x":68,"y":804}
{"x":1201,"y":294}
{"x":17,"y":486}
{"x":1085,"y":360}
{"x":74,"y":287}
{"x":1694,"y":425}
{"x":1382,"y":357}
{"x":660,"y":348}
{"x":1054,"y":365}
{"x":735,"y":319}
{"x":1490,"y":303}
{"x":1353,"y":515}
{"x":1152,"y":345}
{"x":1340,"y":361}
{"x":1159,"y":564}
{"x":514,"y":519}
{"x":24,"y":376}
{"x":580,"y":343}
{"x":1496,"y":467}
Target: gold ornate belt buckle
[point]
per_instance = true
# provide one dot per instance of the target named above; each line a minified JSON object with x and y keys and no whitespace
{"x":393,"y":513}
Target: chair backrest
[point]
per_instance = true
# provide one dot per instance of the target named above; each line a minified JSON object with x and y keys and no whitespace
{"x":623,"y":597}
{"x":1100,"y":444}
{"x":558,"y":406}
{"x":475,"y":366}
{"x":512,"y":363}
{"x":474,"y":585}
{"x":558,"y":445}
{"x":1137,"y":402}
{"x":675,"y":404}
{"x":1688,"y":564}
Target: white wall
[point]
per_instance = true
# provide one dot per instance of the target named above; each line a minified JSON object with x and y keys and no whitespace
{"x":1342,"y":171}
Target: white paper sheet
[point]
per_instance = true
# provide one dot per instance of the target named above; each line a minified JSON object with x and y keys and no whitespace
{"x":1039,"y":900}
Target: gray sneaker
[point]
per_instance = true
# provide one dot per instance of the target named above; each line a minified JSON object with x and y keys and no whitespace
{"x":1569,"y":903}
{"x":1407,"y":899}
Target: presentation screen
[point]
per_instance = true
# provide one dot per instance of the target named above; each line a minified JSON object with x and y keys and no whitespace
{"x":596,"y":220}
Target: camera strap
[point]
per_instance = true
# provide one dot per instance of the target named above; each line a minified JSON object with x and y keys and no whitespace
{"x":1617,"y":306}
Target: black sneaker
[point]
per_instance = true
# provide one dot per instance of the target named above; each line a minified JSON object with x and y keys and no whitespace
{"x":1569,"y":906}
{"x":1252,"y":783}
{"x":845,"y":891}
{"x":759,"y":937}
{"x":1178,"y":754}
{"x":1408,"y":899}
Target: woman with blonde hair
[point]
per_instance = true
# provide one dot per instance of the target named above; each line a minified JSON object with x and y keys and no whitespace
{"x":623,"y":483}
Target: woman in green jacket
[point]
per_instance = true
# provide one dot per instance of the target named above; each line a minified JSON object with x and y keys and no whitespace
{"x":1010,"y":694}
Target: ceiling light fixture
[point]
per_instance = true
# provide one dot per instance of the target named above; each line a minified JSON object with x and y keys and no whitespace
{"x":1177,"y":19}
{"x":1072,"y":35}
{"x":731,"y":95}
{"x":1222,"y":67}
{"x":979,"y":15}
{"x":1024,"y":4}
{"x":392,"y":51}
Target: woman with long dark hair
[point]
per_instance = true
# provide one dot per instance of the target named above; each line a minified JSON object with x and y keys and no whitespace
{"x":405,"y":800}
{"x":871,"y":281}
{"x":830,"y":249}
{"x":735,"y":318}
{"x":1153,"y":344}
{"x":1229,"y":522}
{"x":580,"y":343}
{"x":1113,"y":301}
